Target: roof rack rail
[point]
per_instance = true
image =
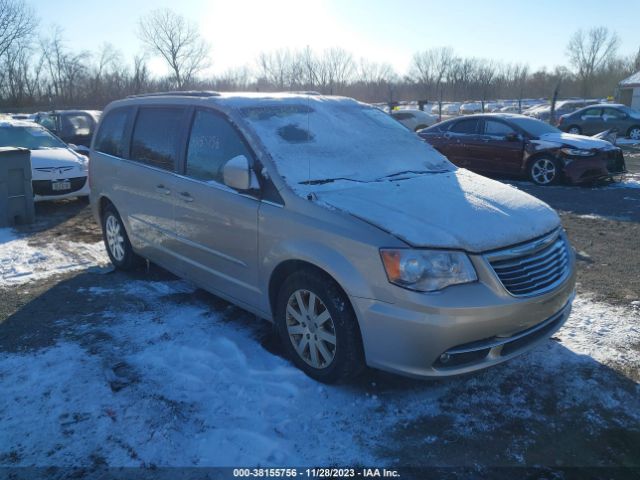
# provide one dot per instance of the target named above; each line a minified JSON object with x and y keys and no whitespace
{"x":178,"y":93}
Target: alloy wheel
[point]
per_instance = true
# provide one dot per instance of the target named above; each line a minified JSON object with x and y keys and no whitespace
{"x":311,"y":329}
{"x":634,"y":134}
{"x":543,"y":171}
{"x":115,"y":240}
{"x":574,"y":130}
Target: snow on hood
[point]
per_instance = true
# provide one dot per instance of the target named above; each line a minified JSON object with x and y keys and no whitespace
{"x":575,"y":141}
{"x":459,"y":210}
{"x":55,"y":157}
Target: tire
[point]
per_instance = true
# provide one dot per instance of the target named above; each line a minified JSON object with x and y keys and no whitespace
{"x":329,"y":345}
{"x":574,"y":129}
{"x":116,"y":241}
{"x":634,"y":132}
{"x":544,"y":171}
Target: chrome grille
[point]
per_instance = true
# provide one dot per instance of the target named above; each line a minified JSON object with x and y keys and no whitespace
{"x":533,"y":268}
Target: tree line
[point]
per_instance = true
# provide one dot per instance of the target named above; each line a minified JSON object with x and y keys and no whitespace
{"x":40,"y":70}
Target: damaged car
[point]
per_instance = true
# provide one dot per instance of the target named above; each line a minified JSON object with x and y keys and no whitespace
{"x":329,"y":218}
{"x":517,"y":145}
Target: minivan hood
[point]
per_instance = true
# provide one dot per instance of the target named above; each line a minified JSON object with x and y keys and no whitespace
{"x":575,"y":141}
{"x":54,"y":157}
{"x":457,"y":209}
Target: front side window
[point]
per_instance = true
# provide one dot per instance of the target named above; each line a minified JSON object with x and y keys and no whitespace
{"x":468,"y":126}
{"x":612,"y":113}
{"x":212,"y":143}
{"x":110,"y":138}
{"x":77,"y":124}
{"x":156,"y":136}
{"x":497,"y":129}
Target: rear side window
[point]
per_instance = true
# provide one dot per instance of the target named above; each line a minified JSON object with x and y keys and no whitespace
{"x":468,"y":126}
{"x":110,"y":139}
{"x":402,"y":115}
{"x":213,"y":142}
{"x":498,"y":129}
{"x":156,"y":136}
{"x":592,"y":112}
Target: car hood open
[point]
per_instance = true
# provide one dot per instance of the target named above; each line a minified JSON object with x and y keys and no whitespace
{"x":575,"y":141}
{"x":456,"y":209}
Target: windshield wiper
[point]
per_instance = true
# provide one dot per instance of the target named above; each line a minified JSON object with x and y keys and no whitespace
{"x":330,"y":180}
{"x":414,"y":172}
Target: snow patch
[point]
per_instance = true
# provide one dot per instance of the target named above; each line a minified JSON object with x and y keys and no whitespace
{"x":21,"y":261}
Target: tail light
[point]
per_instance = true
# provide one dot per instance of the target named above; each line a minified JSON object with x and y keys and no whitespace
{"x":560,"y":119}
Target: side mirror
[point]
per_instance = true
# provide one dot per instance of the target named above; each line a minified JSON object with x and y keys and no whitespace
{"x":512,"y":137}
{"x":237,"y":174}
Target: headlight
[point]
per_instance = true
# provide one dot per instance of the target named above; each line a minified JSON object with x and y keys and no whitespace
{"x":427,"y":270}
{"x":577,"y":152}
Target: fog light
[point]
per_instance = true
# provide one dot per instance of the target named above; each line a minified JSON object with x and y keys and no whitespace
{"x":445,"y":357}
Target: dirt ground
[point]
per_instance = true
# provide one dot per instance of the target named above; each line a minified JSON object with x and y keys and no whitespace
{"x":603,"y":225}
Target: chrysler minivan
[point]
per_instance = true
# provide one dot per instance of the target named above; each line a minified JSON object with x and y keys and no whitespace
{"x":326,"y":216}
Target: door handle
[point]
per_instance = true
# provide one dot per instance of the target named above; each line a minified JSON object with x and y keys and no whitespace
{"x":186,"y":196}
{"x":162,"y":189}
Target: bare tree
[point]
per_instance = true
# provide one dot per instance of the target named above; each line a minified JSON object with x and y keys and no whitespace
{"x":590,"y":51}
{"x":17,"y":23}
{"x":429,"y":69}
{"x":177,"y":41}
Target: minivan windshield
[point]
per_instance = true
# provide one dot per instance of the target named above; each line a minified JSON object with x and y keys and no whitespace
{"x":533,"y":127}
{"x":317,"y":140}
{"x":33,"y":138}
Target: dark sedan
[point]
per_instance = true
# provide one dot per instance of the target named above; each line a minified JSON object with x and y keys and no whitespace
{"x":509,"y":144}
{"x":597,"y":118}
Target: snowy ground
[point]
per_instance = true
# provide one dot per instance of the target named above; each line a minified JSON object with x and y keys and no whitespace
{"x":22,"y":262}
{"x":153,"y":372}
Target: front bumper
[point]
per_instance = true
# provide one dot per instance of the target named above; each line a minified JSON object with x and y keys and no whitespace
{"x":477,"y":325}
{"x":43,"y":191}
{"x":605,"y":164}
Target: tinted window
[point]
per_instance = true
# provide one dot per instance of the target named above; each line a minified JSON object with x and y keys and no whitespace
{"x":110,"y":138}
{"x":156,"y":136}
{"x":402,"y":116}
{"x":213,"y":142}
{"x":498,"y":129}
{"x":465,"y":126}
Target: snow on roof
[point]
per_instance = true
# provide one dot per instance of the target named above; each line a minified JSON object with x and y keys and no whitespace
{"x":632,"y":81}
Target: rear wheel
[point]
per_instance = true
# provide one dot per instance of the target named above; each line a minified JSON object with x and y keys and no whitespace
{"x":634,"y":132}
{"x":116,"y":240}
{"x":576,"y":130}
{"x":318,"y":328}
{"x":544,"y":171}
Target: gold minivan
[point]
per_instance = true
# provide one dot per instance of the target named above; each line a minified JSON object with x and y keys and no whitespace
{"x":329,"y":218}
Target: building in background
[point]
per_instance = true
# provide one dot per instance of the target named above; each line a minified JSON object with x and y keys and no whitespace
{"x":629,"y":91}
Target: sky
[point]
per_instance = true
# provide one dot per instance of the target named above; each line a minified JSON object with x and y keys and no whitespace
{"x":523,"y":31}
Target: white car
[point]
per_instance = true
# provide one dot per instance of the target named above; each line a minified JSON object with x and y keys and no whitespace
{"x":470,"y":107}
{"x":414,"y":119}
{"x":447,"y":109}
{"x":57,"y":171}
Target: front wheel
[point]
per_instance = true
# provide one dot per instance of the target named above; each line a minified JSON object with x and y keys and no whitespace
{"x":574,"y":129}
{"x":116,"y":240}
{"x":544,"y":171}
{"x":634,"y":133}
{"x":318,"y":328}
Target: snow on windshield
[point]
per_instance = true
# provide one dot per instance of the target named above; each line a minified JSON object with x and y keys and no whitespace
{"x":315,"y":139}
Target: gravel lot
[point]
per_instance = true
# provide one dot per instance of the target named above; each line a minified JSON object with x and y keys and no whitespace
{"x":572,"y":402}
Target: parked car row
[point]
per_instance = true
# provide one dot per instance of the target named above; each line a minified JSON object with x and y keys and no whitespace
{"x":363,"y":244}
{"x":511,"y":144}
